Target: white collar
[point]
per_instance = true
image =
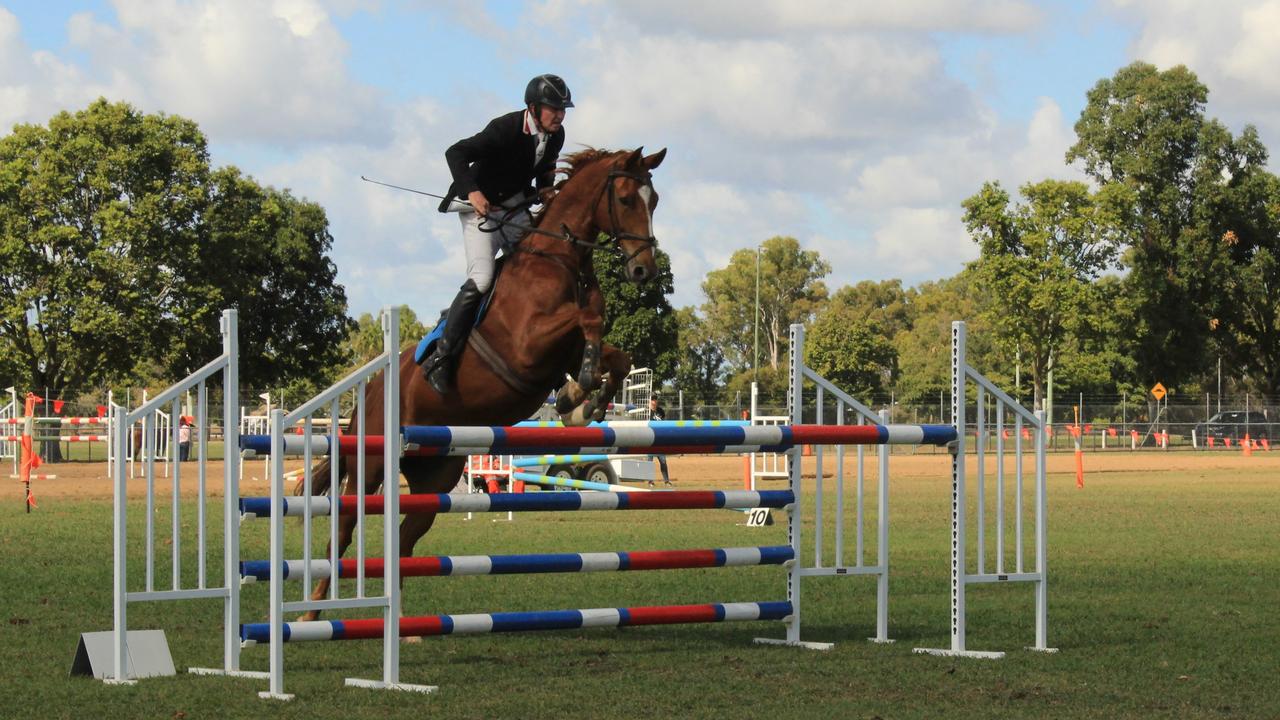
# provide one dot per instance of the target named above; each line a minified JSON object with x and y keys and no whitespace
{"x":531,"y":126}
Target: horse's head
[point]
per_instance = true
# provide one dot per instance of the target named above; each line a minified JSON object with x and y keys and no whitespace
{"x":625,"y":211}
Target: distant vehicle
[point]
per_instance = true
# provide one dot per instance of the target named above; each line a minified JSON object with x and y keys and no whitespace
{"x":1233,"y":424}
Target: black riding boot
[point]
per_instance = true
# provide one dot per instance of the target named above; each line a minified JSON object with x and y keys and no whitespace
{"x":438,"y":368}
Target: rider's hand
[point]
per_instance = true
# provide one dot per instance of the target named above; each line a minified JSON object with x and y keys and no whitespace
{"x":545,"y":195}
{"x":479,"y":202}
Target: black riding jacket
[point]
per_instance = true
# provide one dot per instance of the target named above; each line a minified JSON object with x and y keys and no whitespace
{"x":498,"y":161}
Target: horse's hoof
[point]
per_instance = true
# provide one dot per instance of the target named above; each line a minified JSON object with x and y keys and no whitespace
{"x":577,"y":418}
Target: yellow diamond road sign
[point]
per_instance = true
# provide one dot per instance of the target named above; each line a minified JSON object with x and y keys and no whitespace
{"x":1158,"y":391}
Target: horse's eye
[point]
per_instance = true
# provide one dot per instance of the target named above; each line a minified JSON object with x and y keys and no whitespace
{"x":628,"y":201}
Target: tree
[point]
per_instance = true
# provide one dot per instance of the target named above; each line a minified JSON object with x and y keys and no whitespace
{"x":1145,"y":129}
{"x":364,"y":341}
{"x":924,"y":351}
{"x":639,"y":319}
{"x":850,"y":350}
{"x":701,"y":359}
{"x":1038,"y":262}
{"x":791,"y":291}
{"x":265,"y":252}
{"x":1246,"y":328}
{"x":886,"y":305}
{"x":99,"y":217}
{"x":884,"y":302}
{"x":119,"y":248}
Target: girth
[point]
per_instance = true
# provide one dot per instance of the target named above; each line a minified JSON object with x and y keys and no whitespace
{"x":494,"y":360}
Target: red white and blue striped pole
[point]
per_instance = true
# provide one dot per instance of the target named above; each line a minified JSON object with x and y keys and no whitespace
{"x":482,"y":440}
{"x":431,"y":625}
{"x":457,"y":565}
{"x":521,"y":502}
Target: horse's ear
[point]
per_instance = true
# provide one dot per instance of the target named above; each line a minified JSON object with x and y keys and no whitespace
{"x":635,"y":158}
{"x":655,"y":159}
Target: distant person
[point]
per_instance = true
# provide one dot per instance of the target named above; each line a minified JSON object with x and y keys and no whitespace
{"x":657,"y":412}
{"x":184,"y":439}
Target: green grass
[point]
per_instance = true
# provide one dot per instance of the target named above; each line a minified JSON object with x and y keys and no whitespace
{"x":1163,"y":596}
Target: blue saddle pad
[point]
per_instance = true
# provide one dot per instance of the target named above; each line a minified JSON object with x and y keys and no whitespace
{"x":428,"y":343}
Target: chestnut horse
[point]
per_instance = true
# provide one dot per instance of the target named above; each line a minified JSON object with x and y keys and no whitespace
{"x":545,"y":320}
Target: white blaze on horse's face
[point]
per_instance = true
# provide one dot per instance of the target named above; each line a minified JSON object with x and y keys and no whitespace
{"x":646,"y":196}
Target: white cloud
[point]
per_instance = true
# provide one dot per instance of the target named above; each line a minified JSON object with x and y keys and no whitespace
{"x":914,"y":239}
{"x":33,"y":84}
{"x":1230,"y":45}
{"x":270,"y":71}
{"x":773,"y":17}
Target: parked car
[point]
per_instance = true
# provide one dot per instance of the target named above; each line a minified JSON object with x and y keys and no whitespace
{"x":1233,"y":424}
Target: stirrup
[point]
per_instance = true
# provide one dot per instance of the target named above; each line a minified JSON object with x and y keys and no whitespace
{"x":437,"y":371}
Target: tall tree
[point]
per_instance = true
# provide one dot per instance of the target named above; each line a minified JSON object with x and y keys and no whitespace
{"x":1245,"y":221}
{"x":852,"y":351}
{"x":790,"y":291}
{"x":885,"y":305}
{"x":924,"y":351}
{"x":99,"y":230}
{"x":119,"y":248}
{"x":1039,"y":260}
{"x":1146,"y":130}
{"x":700,"y":369}
{"x":266,"y":252}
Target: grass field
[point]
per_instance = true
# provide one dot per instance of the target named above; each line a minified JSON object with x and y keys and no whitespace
{"x":1164,"y":589}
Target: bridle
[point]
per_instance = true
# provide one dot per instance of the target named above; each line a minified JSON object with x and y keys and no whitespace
{"x":614,"y":234}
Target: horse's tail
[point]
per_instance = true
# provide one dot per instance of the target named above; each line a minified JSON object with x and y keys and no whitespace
{"x":320,"y":477}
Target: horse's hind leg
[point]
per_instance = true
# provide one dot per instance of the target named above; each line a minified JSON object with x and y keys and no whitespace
{"x":346,"y":528}
{"x":425,"y":475}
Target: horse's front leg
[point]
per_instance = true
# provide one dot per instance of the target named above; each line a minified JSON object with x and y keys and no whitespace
{"x":615,"y":365}
{"x":577,"y":406}
{"x":591,"y":322}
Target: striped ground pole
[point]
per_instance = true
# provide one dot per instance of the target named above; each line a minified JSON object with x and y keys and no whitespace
{"x":479,"y":623}
{"x":260,"y":507}
{"x":464,"y":440}
{"x":442,"y":565}
{"x":574,"y":483}
{"x":546,"y":460}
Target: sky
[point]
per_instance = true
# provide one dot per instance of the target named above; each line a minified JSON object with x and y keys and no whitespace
{"x":857,"y":127}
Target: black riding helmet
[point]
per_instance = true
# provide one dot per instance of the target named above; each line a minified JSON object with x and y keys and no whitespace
{"x":548,"y":90}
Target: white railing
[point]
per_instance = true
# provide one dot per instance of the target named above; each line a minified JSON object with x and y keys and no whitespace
{"x":388,"y":600}
{"x":963,"y":572}
{"x":180,"y":588}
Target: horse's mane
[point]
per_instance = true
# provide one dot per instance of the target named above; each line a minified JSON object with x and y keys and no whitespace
{"x":575,"y":162}
{"x":572,"y":164}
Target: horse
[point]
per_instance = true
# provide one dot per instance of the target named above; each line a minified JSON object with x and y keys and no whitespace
{"x":545,"y":320}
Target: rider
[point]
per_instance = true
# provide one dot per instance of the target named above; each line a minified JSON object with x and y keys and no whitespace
{"x":493,"y":170}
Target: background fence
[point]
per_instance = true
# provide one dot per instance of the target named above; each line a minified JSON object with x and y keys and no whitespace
{"x":1101,"y":413}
